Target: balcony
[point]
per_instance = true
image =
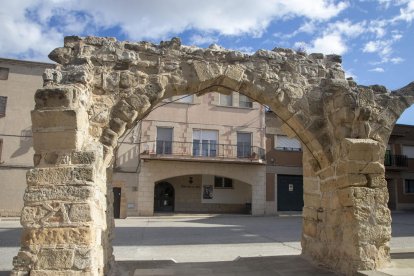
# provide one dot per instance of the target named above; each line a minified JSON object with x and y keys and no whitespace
{"x":395,"y":161}
{"x":205,"y":151}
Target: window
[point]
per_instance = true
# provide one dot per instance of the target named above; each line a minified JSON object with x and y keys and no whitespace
{"x":4,"y":73}
{"x":244,"y":144}
{"x":164,"y":140}
{"x":182,"y":99}
{"x":205,"y":142}
{"x":283,"y":142}
{"x":3,"y":104}
{"x":409,"y":186}
{"x":226,"y":100}
{"x":245,"y":101}
{"x":408,"y":151}
{"x":388,"y":156}
{"x":223,"y":182}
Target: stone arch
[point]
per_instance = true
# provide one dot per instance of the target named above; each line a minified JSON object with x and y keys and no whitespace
{"x":102,"y":87}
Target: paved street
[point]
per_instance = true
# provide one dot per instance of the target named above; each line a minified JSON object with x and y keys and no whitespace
{"x":171,"y":245}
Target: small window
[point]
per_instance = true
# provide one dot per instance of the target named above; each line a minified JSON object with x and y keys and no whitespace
{"x":409,"y":186}
{"x":164,"y":140}
{"x":245,"y":101}
{"x":182,"y":99}
{"x":408,"y":151}
{"x":205,"y":142}
{"x":283,"y":142}
{"x":223,"y":182}
{"x":226,"y":100}
{"x":4,"y":73}
{"x":3,"y":104}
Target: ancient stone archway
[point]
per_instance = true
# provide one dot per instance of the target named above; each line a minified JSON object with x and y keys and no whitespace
{"x":103,"y":87}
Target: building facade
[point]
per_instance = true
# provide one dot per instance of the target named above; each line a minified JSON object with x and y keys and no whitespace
{"x":194,"y":154}
{"x":399,"y":163}
{"x":18,"y":83}
{"x":284,"y":177}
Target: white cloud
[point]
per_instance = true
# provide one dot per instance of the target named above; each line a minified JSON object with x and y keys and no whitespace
{"x":23,"y":37}
{"x":346,"y":28}
{"x":244,"y":50}
{"x":396,"y":60}
{"x":384,"y":49}
{"x":36,"y":26}
{"x":198,"y":39}
{"x":378,"y":70}
{"x":407,"y":12}
{"x":328,"y":44}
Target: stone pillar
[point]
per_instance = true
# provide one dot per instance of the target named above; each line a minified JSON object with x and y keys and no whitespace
{"x":64,"y":217}
{"x":259,"y":195}
{"x":351,"y":228}
{"x":146,"y":184}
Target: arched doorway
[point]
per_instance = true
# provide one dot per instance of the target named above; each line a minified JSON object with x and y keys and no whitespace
{"x":164,"y":196}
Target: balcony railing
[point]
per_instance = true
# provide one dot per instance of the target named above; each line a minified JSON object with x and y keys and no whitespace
{"x":392,"y":160}
{"x":203,"y":149}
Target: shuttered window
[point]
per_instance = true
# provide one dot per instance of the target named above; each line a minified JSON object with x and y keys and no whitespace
{"x":3,"y":104}
{"x":245,"y":101}
{"x":226,"y":100}
{"x":408,"y":151}
{"x":283,"y":142}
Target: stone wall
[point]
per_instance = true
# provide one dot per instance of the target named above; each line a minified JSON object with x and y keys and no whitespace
{"x":103,"y":87}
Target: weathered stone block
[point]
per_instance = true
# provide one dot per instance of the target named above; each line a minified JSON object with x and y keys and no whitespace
{"x":351,"y":180}
{"x":109,"y":138}
{"x":59,"y":140}
{"x":80,"y":236}
{"x":59,"y":120}
{"x":309,"y":228}
{"x":361,"y":149}
{"x":310,"y":213}
{"x":203,"y":71}
{"x":63,"y":193}
{"x":233,"y":75}
{"x":55,"y":259}
{"x":312,"y":200}
{"x":118,"y":126}
{"x":125,"y":112}
{"x":355,"y":167}
{"x":56,"y":97}
{"x":376,"y":180}
{"x":60,"y":176}
{"x":80,"y":213}
{"x":82,"y":259}
{"x":139,"y":102}
{"x":83,"y":157}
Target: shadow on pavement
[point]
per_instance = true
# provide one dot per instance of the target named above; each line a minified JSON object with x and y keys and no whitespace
{"x":275,"y":266}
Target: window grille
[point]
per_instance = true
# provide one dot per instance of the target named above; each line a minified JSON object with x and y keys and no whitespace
{"x":3,"y":104}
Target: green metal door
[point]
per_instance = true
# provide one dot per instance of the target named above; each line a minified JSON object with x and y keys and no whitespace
{"x":289,"y":192}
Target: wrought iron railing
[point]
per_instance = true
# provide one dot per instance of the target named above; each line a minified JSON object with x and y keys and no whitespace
{"x":392,"y":160}
{"x":203,"y":149}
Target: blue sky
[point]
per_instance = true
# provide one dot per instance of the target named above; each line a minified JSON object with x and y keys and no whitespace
{"x":375,"y":37}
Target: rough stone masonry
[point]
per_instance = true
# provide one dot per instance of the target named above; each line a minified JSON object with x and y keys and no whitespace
{"x":102,"y":87}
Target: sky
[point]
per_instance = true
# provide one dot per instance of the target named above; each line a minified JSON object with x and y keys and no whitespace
{"x":374,"y":37}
